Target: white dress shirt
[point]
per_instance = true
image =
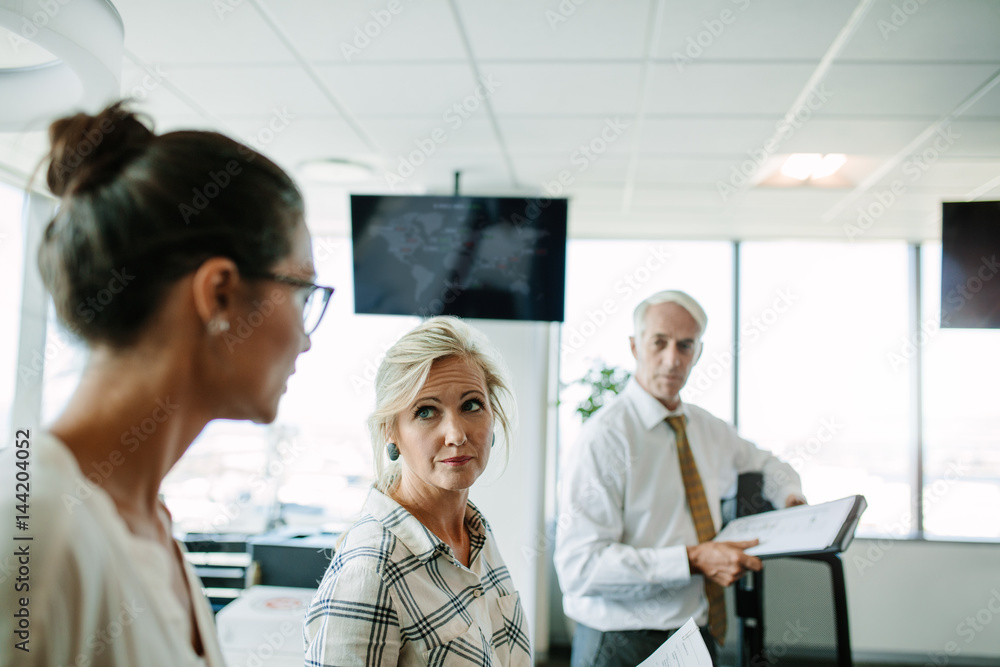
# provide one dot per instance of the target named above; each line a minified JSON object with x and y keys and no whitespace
{"x":96,"y":594}
{"x":624,"y":524}
{"x":396,"y":595}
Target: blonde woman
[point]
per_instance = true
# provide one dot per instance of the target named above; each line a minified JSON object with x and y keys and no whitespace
{"x":419,"y":579}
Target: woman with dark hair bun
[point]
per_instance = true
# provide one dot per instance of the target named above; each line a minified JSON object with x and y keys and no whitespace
{"x":183,"y":262}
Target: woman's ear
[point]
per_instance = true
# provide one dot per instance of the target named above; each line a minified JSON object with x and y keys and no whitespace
{"x":214,"y":289}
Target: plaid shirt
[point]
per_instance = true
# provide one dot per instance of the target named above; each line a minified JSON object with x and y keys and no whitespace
{"x":396,"y":595}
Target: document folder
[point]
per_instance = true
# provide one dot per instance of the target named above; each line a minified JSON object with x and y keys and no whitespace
{"x":798,"y":531}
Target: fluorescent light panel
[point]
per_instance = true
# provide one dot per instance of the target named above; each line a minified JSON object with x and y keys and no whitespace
{"x":802,"y":166}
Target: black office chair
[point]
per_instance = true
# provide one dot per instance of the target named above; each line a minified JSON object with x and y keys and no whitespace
{"x":778,"y":624}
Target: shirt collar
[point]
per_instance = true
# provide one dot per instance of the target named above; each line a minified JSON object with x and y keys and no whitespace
{"x":421,"y":542}
{"x":651,"y":411}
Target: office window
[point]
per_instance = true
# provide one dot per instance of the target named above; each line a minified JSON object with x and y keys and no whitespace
{"x":818,"y":383}
{"x":606,"y":280}
{"x":11,"y":270}
{"x":961,"y":417}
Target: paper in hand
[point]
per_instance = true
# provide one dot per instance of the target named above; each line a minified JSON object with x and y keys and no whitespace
{"x":685,"y":648}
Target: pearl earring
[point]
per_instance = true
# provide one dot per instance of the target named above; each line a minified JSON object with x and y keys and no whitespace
{"x":218,"y":325}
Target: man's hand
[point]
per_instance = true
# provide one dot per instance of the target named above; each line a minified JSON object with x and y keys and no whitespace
{"x":723,"y":562}
{"x":794,"y":499}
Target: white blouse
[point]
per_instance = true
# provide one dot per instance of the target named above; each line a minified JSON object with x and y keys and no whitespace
{"x":96,"y":594}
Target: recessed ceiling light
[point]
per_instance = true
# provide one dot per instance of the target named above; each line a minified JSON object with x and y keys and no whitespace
{"x":828,"y":165}
{"x":801,"y":165}
{"x":812,"y":166}
{"x":335,"y":170}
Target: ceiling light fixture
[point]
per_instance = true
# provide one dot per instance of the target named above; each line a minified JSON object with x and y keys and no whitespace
{"x":812,"y":166}
{"x":56,"y":57}
{"x":800,"y":165}
{"x":828,"y":165}
{"x":335,"y":170}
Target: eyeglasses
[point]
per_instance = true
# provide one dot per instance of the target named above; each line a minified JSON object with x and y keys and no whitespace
{"x":313,"y":307}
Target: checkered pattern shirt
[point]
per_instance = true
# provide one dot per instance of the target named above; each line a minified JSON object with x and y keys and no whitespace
{"x":396,"y":595}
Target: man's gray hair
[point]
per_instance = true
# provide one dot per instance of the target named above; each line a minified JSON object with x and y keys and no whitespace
{"x":682,"y":299}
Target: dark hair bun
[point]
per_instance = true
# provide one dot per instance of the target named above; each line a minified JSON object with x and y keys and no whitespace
{"x":89,"y":148}
{"x":141,"y":210}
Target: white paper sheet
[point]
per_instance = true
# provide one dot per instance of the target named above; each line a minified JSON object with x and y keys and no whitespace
{"x":685,"y":648}
{"x":793,"y":530}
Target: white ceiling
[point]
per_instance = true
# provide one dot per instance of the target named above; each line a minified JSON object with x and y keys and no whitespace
{"x":890,"y":78}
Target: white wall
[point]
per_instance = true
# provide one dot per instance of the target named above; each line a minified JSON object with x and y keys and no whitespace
{"x":911,"y":597}
{"x":514,"y":502}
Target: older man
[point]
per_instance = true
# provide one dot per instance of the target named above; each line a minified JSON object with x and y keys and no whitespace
{"x":640,"y":502}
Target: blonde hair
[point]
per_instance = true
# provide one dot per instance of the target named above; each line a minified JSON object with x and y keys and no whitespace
{"x":404,"y":371}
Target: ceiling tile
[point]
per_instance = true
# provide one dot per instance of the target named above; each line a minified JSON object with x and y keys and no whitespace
{"x":444,"y":91}
{"x":366,"y":31}
{"x":704,"y":136}
{"x":561,"y":89}
{"x":748,"y":29}
{"x":744,"y":88}
{"x":919,"y":30}
{"x":199,"y":32}
{"x":900,"y":90}
{"x":570,"y":30}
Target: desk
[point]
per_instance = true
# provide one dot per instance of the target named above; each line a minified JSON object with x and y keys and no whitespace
{"x":263,"y":627}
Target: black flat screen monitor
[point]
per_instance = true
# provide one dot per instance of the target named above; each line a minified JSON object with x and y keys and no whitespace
{"x":501,"y":258}
{"x":970,"y":274}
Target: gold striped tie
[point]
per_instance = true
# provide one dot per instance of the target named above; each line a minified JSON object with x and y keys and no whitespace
{"x":703,"y":525}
